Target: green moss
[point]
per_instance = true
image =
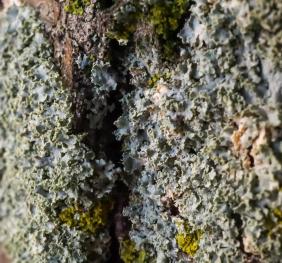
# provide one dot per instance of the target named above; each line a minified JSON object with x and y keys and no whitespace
{"x":90,"y":220}
{"x":76,"y":7}
{"x":130,"y":254}
{"x":188,"y":241}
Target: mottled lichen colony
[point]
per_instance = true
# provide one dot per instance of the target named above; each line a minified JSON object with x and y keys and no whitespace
{"x":45,"y":169}
{"x":194,"y":89}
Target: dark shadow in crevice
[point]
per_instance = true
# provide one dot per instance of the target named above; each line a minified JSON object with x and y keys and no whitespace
{"x":102,"y":140}
{"x":105,"y":136}
{"x":251,"y":258}
{"x":104,"y":4}
{"x":120,"y":225}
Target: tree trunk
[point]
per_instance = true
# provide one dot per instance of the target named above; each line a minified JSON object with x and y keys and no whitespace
{"x":141,"y":131}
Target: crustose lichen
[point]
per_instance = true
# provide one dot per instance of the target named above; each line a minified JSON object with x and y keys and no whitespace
{"x":188,"y":240}
{"x":86,"y":220}
{"x":76,"y":7}
{"x":130,"y":254}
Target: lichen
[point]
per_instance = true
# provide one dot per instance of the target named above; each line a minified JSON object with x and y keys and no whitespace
{"x":90,"y":220}
{"x":125,"y":22}
{"x":45,"y":167}
{"x":76,"y":7}
{"x":206,"y":144}
{"x":189,"y":241}
{"x":202,"y":145}
{"x":154,"y":79}
{"x":130,"y":254}
{"x":166,"y":17}
{"x":278,"y":214}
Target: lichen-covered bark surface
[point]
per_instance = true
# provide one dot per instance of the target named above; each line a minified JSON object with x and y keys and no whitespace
{"x":141,"y":131}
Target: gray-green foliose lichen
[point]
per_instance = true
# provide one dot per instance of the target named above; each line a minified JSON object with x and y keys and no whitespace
{"x":46,"y":170}
{"x":201,"y":139}
{"x":205,"y":144}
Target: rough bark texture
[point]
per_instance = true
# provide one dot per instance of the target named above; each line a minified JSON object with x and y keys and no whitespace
{"x":141,"y":131}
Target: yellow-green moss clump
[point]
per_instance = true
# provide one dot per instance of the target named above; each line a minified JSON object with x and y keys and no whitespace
{"x":76,"y":7}
{"x":130,"y":254}
{"x":90,"y":220}
{"x":188,"y":241}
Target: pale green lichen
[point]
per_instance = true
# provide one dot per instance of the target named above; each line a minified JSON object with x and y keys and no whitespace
{"x":46,"y":167}
{"x":203,"y":146}
{"x":206,"y":145}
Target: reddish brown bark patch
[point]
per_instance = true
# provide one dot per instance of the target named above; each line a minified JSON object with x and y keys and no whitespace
{"x":3,"y":257}
{"x":67,"y":61}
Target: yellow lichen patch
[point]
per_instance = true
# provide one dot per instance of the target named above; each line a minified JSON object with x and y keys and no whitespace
{"x":188,"y":241}
{"x":90,"y":220}
{"x":152,"y":82}
{"x":76,"y":7}
{"x":278,"y":214}
{"x":166,"y":16}
{"x":130,"y":254}
{"x":273,"y":222}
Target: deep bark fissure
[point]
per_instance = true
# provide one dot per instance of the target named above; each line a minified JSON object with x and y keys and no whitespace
{"x":103,"y":140}
{"x":120,"y":225}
